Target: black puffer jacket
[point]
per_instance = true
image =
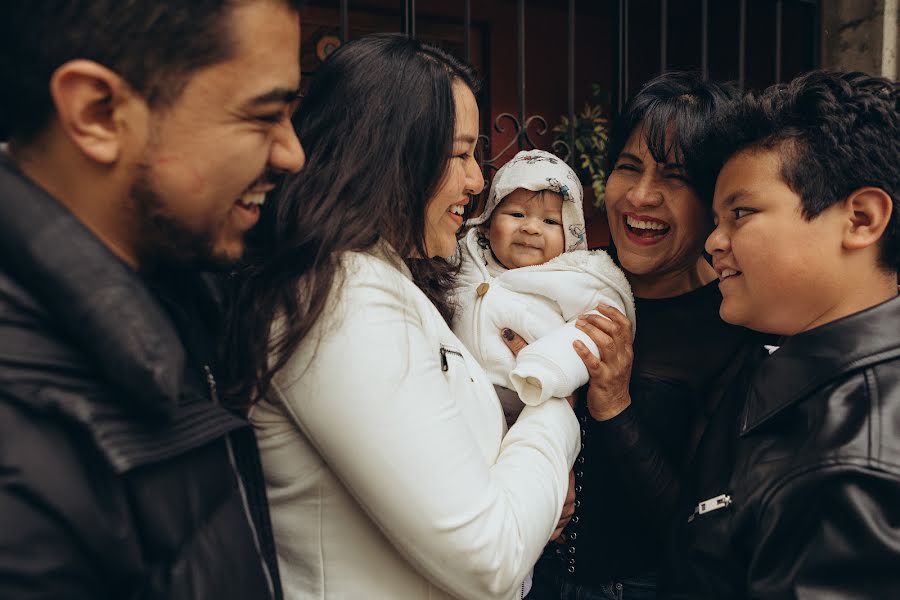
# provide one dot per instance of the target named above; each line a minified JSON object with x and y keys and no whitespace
{"x":801,"y":474}
{"x":118,"y":470}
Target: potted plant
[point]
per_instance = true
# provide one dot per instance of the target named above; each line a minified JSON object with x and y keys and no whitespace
{"x":591,"y":134}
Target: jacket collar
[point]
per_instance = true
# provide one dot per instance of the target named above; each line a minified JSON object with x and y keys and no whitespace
{"x":807,"y":361}
{"x":101,"y":303}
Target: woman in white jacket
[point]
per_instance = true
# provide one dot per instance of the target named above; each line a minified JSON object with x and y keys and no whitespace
{"x":390,"y":473}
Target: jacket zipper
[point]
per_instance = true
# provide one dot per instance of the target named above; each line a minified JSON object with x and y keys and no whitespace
{"x":214,"y":394}
{"x":444,"y":352}
{"x":719,"y":502}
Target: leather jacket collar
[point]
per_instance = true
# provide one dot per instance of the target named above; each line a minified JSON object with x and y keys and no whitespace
{"x":807,"y":361}
{"x":98,"y":299}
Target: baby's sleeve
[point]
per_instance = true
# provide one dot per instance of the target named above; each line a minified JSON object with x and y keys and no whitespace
{"x":549,"y":367}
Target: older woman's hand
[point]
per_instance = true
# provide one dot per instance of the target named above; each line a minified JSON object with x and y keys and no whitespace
{"x":607,"y":393}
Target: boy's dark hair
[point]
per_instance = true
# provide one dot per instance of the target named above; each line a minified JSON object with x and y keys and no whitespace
{"x":155,"y":45}
{"x":679,"y":103}
{"x":835,"y":133}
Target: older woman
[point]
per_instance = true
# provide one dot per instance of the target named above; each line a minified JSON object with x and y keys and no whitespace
{"x":642,"y":419}
{"x":388,"y":472}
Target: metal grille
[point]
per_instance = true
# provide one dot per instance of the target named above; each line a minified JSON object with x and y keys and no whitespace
{"x":754,"y":43}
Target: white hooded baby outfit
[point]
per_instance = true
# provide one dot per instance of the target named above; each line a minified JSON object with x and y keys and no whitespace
{"x":541,"y":302}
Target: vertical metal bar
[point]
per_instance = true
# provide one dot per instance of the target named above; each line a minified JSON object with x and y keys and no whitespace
{"x":704,"y":38}
{"x":622,"y":51}
{"x":409,"y":18}
{"x":467,"y":30}
{"x":345,"y":21}
{"x":816,"y":37}
{"x":663,"y":35}
{"x":742,"y":43}
{"x":571,"y":82}
{"x":778,"y":32}
{"x":520,"y":68}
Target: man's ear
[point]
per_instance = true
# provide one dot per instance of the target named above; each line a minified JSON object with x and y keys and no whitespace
{"x":92,"y":105}
{"x":869,"y":212}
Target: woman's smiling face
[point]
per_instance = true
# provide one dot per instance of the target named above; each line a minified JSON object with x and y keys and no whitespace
{"x":656,"y":221}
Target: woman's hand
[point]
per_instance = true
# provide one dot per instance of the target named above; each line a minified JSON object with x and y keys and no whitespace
{"x":568,"y":511}
{"x":516,"y":343}
{"x":607,"y":393}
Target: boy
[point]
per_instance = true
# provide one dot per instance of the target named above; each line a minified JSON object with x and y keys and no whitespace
{"x":525,"y":267}
{"x":798,"y":476}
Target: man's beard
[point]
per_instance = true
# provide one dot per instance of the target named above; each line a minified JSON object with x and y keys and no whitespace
{"x":162,"y":239}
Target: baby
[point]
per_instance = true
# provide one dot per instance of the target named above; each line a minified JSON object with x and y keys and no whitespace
{"x":525,"y":266}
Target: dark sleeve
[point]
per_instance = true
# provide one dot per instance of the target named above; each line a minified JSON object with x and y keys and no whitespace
{"x":38,"y":557}
{"x":831,"y":532}
{"x":624,"y":444}
{"x":65,"y":530}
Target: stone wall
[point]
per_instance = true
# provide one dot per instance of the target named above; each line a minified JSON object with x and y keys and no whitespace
{"x":860,"y":35}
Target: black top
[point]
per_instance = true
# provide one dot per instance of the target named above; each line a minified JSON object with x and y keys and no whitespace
{"x":800,"y":473}
{"x":628,"y":476}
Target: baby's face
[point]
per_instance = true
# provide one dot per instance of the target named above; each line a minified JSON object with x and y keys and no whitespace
{"x":526,"y":228}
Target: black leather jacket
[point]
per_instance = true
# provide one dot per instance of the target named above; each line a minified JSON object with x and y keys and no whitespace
{"x":800,"y":473}
{"x":118,"y":470}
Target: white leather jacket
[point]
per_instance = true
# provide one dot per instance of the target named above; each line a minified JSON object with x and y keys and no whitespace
{"x":388,"y":472}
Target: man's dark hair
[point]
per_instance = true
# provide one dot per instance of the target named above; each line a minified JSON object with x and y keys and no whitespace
{"x":834,"y":132}
{"x":679,"y":104}
{"x":155,"y":45}
{"x":377,"y":126}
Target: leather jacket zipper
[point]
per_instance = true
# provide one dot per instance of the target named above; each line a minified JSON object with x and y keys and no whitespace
{"x":707,"y":506}
{"x":214,"y":395}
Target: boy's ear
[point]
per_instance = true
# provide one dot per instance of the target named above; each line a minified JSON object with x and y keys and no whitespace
{"x":869,"y":211}
{"x":92,"y":105}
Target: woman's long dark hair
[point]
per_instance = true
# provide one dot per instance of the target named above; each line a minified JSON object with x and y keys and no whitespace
{"x":377,"y":125}
{"x":674,"y":111}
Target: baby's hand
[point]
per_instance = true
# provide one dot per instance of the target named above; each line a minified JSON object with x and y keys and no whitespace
{"x":516,"y":343}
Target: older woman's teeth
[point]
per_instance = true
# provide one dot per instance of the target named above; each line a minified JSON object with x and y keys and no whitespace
{"x":638,"y":224}
{"x":253,"y":198}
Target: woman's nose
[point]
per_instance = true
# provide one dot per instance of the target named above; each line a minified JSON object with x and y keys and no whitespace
{"x":474,"y":177}
{"x":645,"y":192}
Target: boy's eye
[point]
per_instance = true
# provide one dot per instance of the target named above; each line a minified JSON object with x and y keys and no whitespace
{"x":742,"y":212}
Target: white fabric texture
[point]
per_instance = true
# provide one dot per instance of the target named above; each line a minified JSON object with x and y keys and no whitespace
{"x":540,"y":303}
{"x":388,"y":472}
{"x":538,"y":170}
